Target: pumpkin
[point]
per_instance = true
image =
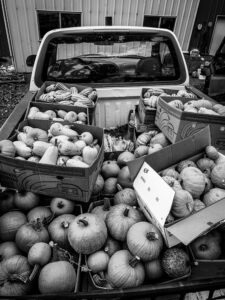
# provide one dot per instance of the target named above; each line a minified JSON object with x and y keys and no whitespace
{"x":161,"y":139}
{"x":111,"y":246}
{"x":120,"y":218}
{"x":124,"y":178}
{"x":14,"y":273}
{"x":183,"y":204}
{"x":6,"y":200}
{"x":124,"y":157}
{"x":87,"y":233}
{"x":153,"y":269}
{"x":102,"y":210}
{"x":172,"y":182}
{"x":141,"y":151}
{"x":8,"y":249}
{"x":171,"y":172}
{"x":7,"y":148}
{"x":126,"y":196}
{"x":145,"y":241}
{"x":26,"y":200}
{"x":208,"y":184}
{"x":193,"y":181}
{"x":98,"y":261}
{"x":58,"y":229}
{"x":218,"y":175}
{"x":98,"y":186}
{"x":184,"y":164}
{"x":125,"y":271}
{"x":211,"y":152}
{"x":57,"y":277}
{"x":213,"y":196}
{"x":29,"y":234}
{"x":10,"y":222}
{"x":38,"y":256}
{"x":198,"y":205}
{"x":205,"y":165}
{"x":145,"y":137}
{"x":39,"y":212}
{"x":110,"y":168}
{"x":110,"y":186}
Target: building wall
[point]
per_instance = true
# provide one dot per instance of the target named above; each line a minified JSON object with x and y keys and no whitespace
{"x":23,"y":26}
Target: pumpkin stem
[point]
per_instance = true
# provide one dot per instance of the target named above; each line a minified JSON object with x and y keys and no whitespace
{"x":119,"y":187}
{"x":65,"y":224}
{"x":106,"y":205}
{"x":134,"y":261}
{"x":34,"y":272}
{"x":126,"y":212}
{"x":83,"y":222}
{"x":152,"y":236}
{"x":189,"y":207}
{"x":19,"y":277}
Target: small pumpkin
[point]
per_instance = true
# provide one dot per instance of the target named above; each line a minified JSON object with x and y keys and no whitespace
{"x":7,"y":148}
{"x":102,"y":210}
{"x":172,"y":182}
{"x":120,"y":218}
{"x":212,"y":152}
{"x":184,"y":164}
{"x":145,"y":137}
{"x":218,"y":175}
{"x":145,"y":241}
{"x":125,"y":271}
{"x":126,"y":196}
{"x":198,"y":205}
{"x":193,"y":181}
{"x":171,"y":172}
{"x":111,"y":246}
{"x":205,"y":165}
{"x":98,"y":261}
{"x":213,"y":196}
{"x":153,"y":269}
{"x":183,"y":204}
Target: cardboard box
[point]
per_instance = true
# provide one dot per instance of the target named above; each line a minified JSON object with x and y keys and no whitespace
{"x":142,"y":127}
{"x":55,"y":107}
{"x":155,"y":197}
{"x":55,"y":181}
{"x":177,"y":124}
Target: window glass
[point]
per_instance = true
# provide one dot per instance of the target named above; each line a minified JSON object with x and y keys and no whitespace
{"x":70,"y":20}
{"x":151,"y":21}
{"x":108,"y":21}
{"x":167,"y":22}
{"x":47,"y":21}
{"x":112,"y":58}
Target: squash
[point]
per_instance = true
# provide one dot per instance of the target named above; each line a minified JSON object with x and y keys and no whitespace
{"x":177,"y":104}
{"x":205,"y":165}
{"x":69,"y":148}
{"x":50,"y":156}
{"x":120,"y":218}
{"x":71,"y":116}
{"x":141,"y":151}
{"x":75,"y":163}
{"x":193,"y":181}
{"x":10,"y":222}
{"x":56,"y":140}
{"x":124,"y":157}
{"x":145,"y":241}
{"x":39,"y":116}
{"x":124,"y":270}
{"x":154,"y":148}
{"x":87,"y":233}
{"x":211,"y":152}
{"x":39,"y":148}
{"x":153,"y":270}
{"x":172,"y":182}
{"x":98,"y":261}
{"x":145,"y":137}
{"x":161,"y":139}
{"x":22,"y":149}
{"x":7,"y":148}
{"x":89,"y":154}
{"x":38,"y":134}
{"x":102,"y":210}
{"x":218,"y":175}
{"x":171,"y":172}
{"x":126,"y":196}
{"x":198,"y":205}
{"x":111,"y":246}
{"x":110,"y":168}
{"x":50,"y":113}
{"x":184,"y":164}
{"x":183,"y":204}
{"x":213,"y":196}
{"x":60,"y":129}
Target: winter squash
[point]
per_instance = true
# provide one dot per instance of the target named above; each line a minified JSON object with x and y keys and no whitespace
{"x":145,"y":241}
{"x":7,"y":200}
{"x":205,"y":165}
{"x":218,"y":175}
{"x":211,"y":152}
{"x":57,"y":277}
{"x":126,"y":196}
{"x":10,"y":222}
{"x":102,"y":210}
{"x":193,"y":181}
{"x":110,"y":168}
{"x":172,"y":182}
{"x":58,"y":229}
{"x":110,"y":186}
{"x":153,"y":269}
{"x":39,"y":212}
{"x":198,"y":205}
{"x":26,"y":200}
{"x":184,"y":164}
{"x":124,"y":157}
{"x":8,"y":249}
{"x":98,"y":261}
{"x":98,"y":186}
{"x":7,"y":148}
{"x":161,"y":139}
{"x":120,"y":218}
{"x":124,"y":178}
{"x":183,"y":204}
{"x":124,"y":270}
{"x":213,"y":196}
{"x":87,"y":233}
{"x":171,"y":172}
{"x":141,"y":151}
{"x":111,"y":246}
{"x":14,"y":273}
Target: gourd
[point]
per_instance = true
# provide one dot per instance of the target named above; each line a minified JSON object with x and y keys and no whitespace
{"x":185,"y":164}
{"x":98,"y":186}
{"x":183,"y":204}
{"x":87,"y":233}
{"x":145,"y":137}
{"x":39,"y":116}
{"x":38,"y":256}
{"x":211,"y":152}
{"x":26,"y":200}
{"x":145,"y":241}
{"x":71,"y":116}
{"x":213,"y":196}
{"x":58,"y":230}
{"x":141,"y":151}
{"x":8,"y":249}
{"x":38,"y":134}
{"x":7,"y":148}
{"x":111,"y":246}
{"x":120,"y":218}
{"x":51,"y":114}
{"x":68,"y":148}
{"x":124,"y":157}
{"x":193,"y":181}
{"x":59,"y":129}
{"x":198,"y":205}
{"x":126,"y":196}
{"x":98,"y":261}
{"x":39,"y":212}
{"x":154,"y":148}
{"x":89,"y":154}
{"x":56,"y":140}
{"x":218,"y":175}
{"x":161,"y":139}
{"x":33,"y":110}
{"x":50,"y":156}
{"x":171,"y":172}
{"x":124,"y":270}
{"x":61,"y":113}
{"x":75,"y":163}
{"x":110,"y":168}
{"x":87,"y":137}
{"x":205,"y":165}
{"x":172,"y":182}
{"x":203,"y":103}
{"x":177,"y":104}
{"x":61,"y":160}
{"x":22,"y":149}
{"x":153,"y":269}
{"x":39,"y":148}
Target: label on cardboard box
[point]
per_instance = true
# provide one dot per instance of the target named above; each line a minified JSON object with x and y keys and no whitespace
{"x":156,"y":195}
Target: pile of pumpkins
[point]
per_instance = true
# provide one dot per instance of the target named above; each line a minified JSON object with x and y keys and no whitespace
{"x":123,"y":249}
{"x":35,"y":254}
{"x":58,"y":115}
{"x":61,"y":145}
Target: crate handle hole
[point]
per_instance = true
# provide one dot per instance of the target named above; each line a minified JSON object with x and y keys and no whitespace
{"x":60,"y":177}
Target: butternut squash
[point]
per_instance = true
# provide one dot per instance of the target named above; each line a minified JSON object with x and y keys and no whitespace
{"x":61,"y":113}
{"x":22,"y":149}
{"x":50,"y":156}
{"x":68,"y":148}
{"x":71,"y":117}
{"x":38,"y":134}
{"x":39,"y":148}
{"x":39,"y":116}
{"x":7,"y":148}
{"x":59,"y":129}
{"x":75,"y":163}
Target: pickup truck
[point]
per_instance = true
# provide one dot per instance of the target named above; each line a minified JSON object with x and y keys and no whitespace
{"x":117,"y":61}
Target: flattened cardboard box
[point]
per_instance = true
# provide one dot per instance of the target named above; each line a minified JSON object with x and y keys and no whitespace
{"x":55,"y":181}
{"x":155,"y":198}
{"x":178,"y":125}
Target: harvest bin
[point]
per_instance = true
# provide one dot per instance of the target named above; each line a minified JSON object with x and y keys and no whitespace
{"x":177,"y":124}
{"x":155,"y":196}
{"x":55,"y":181}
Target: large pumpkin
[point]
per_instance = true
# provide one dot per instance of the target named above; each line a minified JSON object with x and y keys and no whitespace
{"x":125,"y":271}
{"x":87,"y":233}
{"x":193,"y":181}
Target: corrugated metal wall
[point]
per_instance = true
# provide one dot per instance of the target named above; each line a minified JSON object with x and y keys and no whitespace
{"x":23,"y":24}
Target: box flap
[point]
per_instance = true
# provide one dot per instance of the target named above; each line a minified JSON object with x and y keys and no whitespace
{"x":190,"y":228}
{"x":154,"y":192}
{"x":173,"y":154}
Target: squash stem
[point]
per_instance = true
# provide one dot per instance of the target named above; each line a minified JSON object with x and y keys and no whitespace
{"x":83,"y":222}
{"x":119,"y":187}
{"x":106,"y":205}
{"x":152,"y":236}
{"x":65,"y":224}
{"x":34,"y":272}
{"x":134,"y":261}
{"x":126,"y":212}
